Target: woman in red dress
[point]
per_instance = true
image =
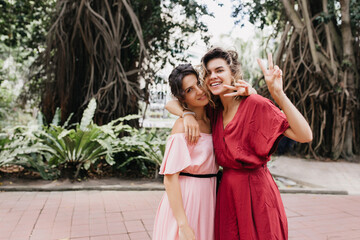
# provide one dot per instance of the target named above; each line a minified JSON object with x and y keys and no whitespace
{"x":245,"y":132}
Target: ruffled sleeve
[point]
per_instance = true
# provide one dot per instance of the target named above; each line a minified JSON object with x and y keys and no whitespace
{"x":177,"y":155}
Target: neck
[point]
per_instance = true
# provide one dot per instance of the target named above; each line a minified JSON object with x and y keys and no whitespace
{"x":200,"y":112}
{"x":228,"y":102}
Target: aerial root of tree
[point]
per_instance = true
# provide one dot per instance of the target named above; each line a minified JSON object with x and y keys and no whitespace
{"x":321,"y":78}
{"x":85,"y":58}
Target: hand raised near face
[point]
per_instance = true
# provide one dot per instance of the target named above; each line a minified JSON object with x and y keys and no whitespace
{"x":241,"y":88}
{"x":273,"y":76}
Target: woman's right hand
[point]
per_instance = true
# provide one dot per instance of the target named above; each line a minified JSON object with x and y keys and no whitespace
{"x":186,"y":233}
{"x":192,"y":129}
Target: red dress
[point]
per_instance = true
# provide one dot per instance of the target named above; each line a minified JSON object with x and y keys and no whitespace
{"x":248,"y":205}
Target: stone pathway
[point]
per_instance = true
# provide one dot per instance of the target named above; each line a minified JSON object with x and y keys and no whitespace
{"x":130,"y":214}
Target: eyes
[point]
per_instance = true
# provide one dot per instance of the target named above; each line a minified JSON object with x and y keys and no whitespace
{"x":190,"y":89}
{"x":217,"y":71}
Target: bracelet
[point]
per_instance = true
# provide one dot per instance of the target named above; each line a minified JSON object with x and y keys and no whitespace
{"x":186,"y":113}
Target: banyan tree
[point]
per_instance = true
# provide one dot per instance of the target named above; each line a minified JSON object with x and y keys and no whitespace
{"x":101,"y":49}
{"x":319,"y":52}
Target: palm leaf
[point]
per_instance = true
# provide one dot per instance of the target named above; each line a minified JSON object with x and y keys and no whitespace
{"x":88,"y":114}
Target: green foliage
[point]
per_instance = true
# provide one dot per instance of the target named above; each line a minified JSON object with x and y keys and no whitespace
{"x":55,"y":150}
{"x":260,"y":13}
{"x":145,"y":145}
{"x":23,"y":148}
{"x":164,"y":43}
{"x":23,"y":23}
{"x":101,"y":48}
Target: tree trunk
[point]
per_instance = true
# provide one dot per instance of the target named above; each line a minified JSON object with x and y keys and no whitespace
{"x":320,"y":75}
{"x":95,"y":49}
{"x":349,"y":76}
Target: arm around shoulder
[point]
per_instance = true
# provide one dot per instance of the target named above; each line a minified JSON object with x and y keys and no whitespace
{"x":173,"y":106}
{"x":178,"y":126}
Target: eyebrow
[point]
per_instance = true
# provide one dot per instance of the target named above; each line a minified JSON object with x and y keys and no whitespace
{"x":217,"y":68}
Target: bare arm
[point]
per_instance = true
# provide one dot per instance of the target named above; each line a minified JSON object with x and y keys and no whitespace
{"x":299,"y":130}
{"x":173,"y":191}
{"x":174,"y":107}
{"x":192,"y":128}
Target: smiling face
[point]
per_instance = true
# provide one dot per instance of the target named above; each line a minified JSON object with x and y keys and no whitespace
{"x":218,"y":73}
{"x":194,"y":95}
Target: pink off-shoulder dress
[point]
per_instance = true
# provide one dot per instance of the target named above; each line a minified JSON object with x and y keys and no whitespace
{"x":198,"y":194}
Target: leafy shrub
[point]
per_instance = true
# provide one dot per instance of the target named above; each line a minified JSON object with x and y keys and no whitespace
{"x":50,"y":148}
{"x":55,"y":150}
{"x":144,"y":145}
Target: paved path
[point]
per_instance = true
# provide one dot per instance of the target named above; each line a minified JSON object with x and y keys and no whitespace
{"x":130,"y":214}
{"x":339,"y":175}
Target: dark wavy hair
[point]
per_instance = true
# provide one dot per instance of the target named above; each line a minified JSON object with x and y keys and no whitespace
{"x":175,"y":80}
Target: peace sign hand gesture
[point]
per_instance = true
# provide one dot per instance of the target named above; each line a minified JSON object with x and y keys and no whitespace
{"x":273,"y":77}
{"x":241,"y":88}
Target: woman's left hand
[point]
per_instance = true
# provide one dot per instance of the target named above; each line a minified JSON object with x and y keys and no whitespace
{"x":241,"y":88}
{"x":273,"y":76}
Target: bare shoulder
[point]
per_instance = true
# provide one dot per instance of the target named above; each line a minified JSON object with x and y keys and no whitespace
{"x":178,"y":126}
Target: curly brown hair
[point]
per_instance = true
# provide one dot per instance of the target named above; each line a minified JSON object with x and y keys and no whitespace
{"x":232,"y":59}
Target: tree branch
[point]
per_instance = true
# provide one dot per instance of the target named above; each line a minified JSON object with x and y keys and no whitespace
{"x":310,"y":34}
{"x":282,"y":45}
{"x":293,"y":16}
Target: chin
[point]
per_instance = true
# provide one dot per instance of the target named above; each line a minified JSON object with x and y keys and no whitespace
{"x":216,"y":92}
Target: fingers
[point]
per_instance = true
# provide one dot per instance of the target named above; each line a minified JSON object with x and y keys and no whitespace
{"x":242,"y":81}
{"x":263,"y":68}
{"x":192,"y":129}
{"x":277,"y":71}
{"x":230,"y":87}
{"x":231,"y":94}
{"x":197,"y":136}
{"x":242,"y":85}
{"x":246,"y":92}
{"x":270,"y":61}
{"x":237,"y":86}
{"x":190,"y":136}
{"x":186,"y":132}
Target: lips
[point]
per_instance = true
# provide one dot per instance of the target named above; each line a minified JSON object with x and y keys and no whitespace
{"x":215,"y":84}
{"x":202,"y":97}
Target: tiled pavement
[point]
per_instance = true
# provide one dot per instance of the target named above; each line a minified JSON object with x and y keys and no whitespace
{"x":130,"y":214}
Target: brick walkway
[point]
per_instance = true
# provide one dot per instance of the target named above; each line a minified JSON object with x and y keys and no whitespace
{"x":129,"y":215}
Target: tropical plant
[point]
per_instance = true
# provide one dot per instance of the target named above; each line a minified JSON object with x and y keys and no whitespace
{"x":64,"y":148}
{"x":147,"y":145}
{"x":21,"y":147}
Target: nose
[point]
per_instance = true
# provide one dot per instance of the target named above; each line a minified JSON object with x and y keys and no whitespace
{"x":212,"y":75}
{"x":199,"y":90}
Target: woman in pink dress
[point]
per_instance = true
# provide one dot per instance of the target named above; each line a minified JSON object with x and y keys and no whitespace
{"x":187,"y":208}
{"x":245,"y":132}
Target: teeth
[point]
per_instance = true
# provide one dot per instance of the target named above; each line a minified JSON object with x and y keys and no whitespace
{"x":214,"y":84}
